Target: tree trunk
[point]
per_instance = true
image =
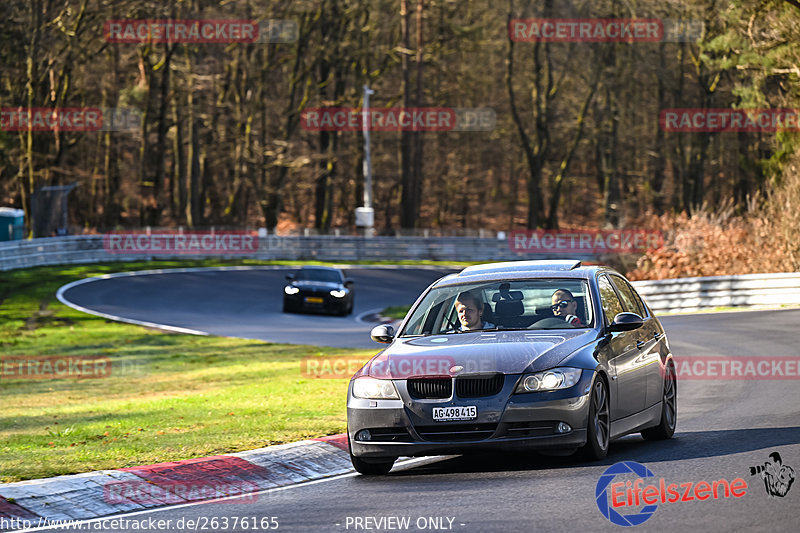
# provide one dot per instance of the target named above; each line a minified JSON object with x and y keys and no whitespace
{"x":555,"y":194}
{"x":417,"y":167}
{"x":407,"y":201}
{"x":533,"y":182}
{"x":656,"y":182}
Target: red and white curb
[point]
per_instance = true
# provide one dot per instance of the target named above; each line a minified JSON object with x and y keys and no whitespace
{"x":106,"y":492}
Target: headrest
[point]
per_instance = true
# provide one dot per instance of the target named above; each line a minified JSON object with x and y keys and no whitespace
{"x":507,"y":295}
{"x":509,"y":308}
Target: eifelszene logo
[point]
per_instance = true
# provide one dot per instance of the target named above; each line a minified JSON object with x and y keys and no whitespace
{"x":632,"y":494}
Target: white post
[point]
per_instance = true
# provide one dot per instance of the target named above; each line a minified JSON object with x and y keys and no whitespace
{"x":367,"y":214}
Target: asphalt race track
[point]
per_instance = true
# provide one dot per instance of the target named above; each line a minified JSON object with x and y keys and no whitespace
{"x":724,"y":426}
{"x":247,"y":303}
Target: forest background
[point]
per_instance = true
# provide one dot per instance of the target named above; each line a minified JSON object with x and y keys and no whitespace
{"x":576,"y":144}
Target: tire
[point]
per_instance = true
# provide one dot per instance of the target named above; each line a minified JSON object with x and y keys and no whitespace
{"x":380,"y":468}
{"x":598,"y":425}
{"x":669,"y":408}
{"x":376,"y":467}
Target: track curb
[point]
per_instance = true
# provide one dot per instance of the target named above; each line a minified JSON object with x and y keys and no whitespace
{"x":107,"y":492}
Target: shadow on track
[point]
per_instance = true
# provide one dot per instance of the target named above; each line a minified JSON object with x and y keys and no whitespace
{"x":684,"y":446}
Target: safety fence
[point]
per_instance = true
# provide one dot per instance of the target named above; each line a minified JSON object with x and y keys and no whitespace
{"x":663,"y":296}
{"x":99,"y":248}
{"x":695,"y":294}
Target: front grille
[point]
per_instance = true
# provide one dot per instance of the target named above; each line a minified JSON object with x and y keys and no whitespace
{"x":311,"y":292}
{"x":430,"y":388}
{"x":478,"y":386}
{"x":453,"y":432}
{"x":395,"y":434}
{"x":530,"y":429}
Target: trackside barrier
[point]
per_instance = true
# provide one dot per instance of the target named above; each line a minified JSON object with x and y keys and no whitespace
{"x":663,"y":296}
{"x":90,"y":249}
{"x":696,"y":294}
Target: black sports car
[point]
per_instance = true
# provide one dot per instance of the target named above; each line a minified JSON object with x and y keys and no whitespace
{"x":318,"y":289}
{"x":519,"y":355}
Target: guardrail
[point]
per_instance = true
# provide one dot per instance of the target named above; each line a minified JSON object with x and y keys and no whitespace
{"x":696,"y":294}
{"x":90,"y":249}
{"x":663,"y":296}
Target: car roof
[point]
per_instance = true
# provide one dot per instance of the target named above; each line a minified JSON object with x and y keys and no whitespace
{"x":320,"y":268}
{"x":512,"y":270}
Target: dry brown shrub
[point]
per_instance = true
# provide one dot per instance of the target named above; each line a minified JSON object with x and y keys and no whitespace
{"x":783,"y":211}
{"x":715,"y":244}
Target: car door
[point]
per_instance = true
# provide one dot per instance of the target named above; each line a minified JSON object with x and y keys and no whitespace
{"x":649,"y":339}
{"x":629,"y":375}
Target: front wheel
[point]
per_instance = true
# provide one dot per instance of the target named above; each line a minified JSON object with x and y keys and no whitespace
{"x":377,"y":468}
{"x":669,"y":408}
{"x":598,"y":428}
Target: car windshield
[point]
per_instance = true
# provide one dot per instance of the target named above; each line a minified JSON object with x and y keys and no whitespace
{"x":318,"y":275}
{"x":506,"y":305}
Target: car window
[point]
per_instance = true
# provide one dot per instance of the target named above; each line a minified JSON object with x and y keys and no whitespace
{"x":608,"y":297}
{"x":509,"y":305}
{"x":630,"y":301}
{"x":319,"y":275}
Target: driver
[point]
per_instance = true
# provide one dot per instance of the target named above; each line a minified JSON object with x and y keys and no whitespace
{"x":469,"y":307}
{"x":564,"y":306}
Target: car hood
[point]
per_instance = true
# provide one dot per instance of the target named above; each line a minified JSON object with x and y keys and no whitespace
{"x":508,"y":352}
{"x":318,"y":285}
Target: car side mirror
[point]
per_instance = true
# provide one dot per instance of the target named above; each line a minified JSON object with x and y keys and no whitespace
{"x":289,"y":277}
{"x":349,"y":282}
{"x":383,"y":334}
{"x":626,"y":322}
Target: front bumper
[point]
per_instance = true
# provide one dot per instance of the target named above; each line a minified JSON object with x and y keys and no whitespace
{"x":329,"y":304}
{"x":505,"y":422}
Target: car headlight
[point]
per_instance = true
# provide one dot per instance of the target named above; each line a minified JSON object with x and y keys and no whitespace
{"x":375,"y":389}
{"x":557,"y":378}
{"x":290,"y":290}
{"x":338,"y":294}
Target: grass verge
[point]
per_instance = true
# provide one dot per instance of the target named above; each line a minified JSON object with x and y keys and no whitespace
{"x":398,"y":312}
{"x":168,"y":396}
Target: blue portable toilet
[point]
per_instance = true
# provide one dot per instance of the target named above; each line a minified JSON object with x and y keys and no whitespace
{"x":12,"y":224}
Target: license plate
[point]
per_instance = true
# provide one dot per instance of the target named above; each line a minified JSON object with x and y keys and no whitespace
{"x":463,"y":412}
{"x":313,"y":300}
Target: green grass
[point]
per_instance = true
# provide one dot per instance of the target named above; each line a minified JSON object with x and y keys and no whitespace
{"x":169,"y":396}
{"x":397,"y":312}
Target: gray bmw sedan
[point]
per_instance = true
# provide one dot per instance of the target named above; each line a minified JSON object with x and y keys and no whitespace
{"x":548,"y":355}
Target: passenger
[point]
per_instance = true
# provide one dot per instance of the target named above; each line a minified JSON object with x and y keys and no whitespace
{"x":470,"y":312}
{"x":565,"y":306}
